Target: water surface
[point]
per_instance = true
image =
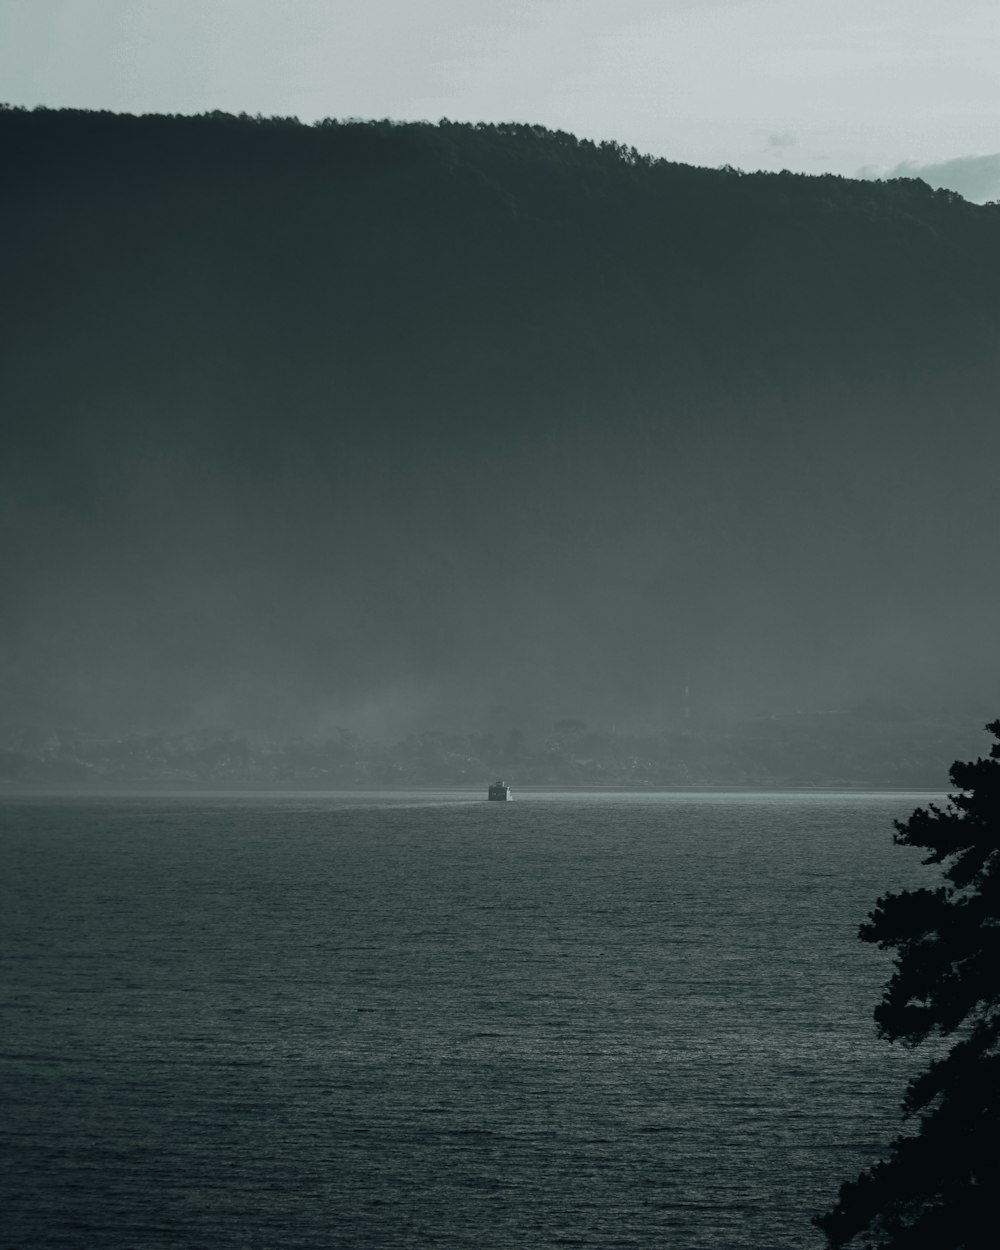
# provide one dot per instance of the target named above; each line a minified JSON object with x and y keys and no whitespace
{"x":359,"y":1021}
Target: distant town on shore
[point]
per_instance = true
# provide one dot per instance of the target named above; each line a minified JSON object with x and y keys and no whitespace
{"x":868,"y":747}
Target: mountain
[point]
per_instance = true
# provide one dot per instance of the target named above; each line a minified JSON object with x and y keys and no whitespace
{"x":404,"y":426}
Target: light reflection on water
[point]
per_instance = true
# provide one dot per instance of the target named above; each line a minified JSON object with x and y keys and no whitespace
{"x":424,"y":1019}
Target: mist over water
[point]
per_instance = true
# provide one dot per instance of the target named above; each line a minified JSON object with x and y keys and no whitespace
{"x":423,"y":1019}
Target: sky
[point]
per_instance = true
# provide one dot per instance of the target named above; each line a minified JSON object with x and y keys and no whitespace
{"x":866,"y":88}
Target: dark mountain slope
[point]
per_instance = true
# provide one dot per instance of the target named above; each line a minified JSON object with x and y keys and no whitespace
{"x":365,"y":420}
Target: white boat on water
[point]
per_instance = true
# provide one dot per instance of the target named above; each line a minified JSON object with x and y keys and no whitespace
{"x":500,"y":792}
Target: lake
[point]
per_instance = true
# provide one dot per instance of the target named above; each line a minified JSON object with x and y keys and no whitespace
{"x":408,"y":1020}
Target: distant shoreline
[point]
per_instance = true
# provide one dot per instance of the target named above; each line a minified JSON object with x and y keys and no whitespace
{"x":10,"y":791}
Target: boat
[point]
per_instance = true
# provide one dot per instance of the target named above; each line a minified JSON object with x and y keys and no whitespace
{"x":500,"y":792}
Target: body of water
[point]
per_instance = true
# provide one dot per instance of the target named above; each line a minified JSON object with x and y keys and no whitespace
{"x":287,"y":1021}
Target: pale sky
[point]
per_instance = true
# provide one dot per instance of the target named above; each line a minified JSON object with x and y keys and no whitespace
{"x":845,"y":86}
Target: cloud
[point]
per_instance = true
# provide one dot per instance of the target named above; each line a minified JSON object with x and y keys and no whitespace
{"x":977,"y":178}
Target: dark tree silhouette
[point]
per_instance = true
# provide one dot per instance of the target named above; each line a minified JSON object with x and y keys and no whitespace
{"x":939,"y":1186}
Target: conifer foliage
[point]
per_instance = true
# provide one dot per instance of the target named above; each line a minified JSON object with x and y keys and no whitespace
{"x":939,"y":1186}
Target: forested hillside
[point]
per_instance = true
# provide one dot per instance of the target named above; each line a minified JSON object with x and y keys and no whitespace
{"x":369,"y":424}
